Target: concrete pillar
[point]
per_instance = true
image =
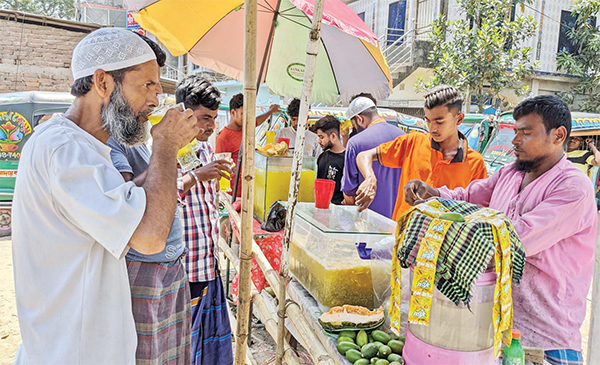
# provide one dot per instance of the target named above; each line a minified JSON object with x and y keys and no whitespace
{"x":535,"y":87}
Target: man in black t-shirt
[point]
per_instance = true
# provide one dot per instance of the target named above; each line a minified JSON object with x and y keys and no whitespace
{"x":330,"y":164}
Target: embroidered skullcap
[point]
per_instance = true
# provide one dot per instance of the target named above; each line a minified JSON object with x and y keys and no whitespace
{"x":109,"y":49}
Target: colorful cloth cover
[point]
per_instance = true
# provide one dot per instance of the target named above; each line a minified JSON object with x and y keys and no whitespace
{"x":452,"y":255}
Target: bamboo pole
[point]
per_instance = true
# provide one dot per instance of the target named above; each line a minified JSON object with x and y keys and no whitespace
{"x":593,"y":353}
{"x":312,"y":343}
{"x":265,"y":316}
{"x":249,"y":128}
{"x":312,"y":49}
{"x":249,"y":358}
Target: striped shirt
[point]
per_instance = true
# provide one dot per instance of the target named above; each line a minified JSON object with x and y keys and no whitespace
{"x":200,"y":216}
{"x":583,"y":160}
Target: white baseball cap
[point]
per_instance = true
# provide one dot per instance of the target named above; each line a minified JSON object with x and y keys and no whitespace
{"x":358,"y":106}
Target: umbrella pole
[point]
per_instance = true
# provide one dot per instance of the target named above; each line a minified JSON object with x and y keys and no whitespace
{"x":241,"y":342}
{"x":312,"y":48}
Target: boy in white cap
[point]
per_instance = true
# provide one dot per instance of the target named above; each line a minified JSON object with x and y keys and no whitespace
{"x":372,"y":131}
{"x":75,"y":217}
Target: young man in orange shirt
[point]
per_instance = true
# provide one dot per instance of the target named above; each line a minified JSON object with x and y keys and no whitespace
{"x":441,"y":157}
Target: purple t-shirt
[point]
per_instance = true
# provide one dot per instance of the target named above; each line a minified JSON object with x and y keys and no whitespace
{"x":388,"y":178}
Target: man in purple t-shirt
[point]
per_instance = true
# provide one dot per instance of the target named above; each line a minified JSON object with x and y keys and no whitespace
{"x":373,"y":131}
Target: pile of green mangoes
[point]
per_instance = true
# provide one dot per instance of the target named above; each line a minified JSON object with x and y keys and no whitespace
{"x":375,"y":348}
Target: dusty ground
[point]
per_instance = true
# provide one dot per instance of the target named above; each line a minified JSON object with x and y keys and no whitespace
{"x":262,"y":346}
{"x":10,"y":337}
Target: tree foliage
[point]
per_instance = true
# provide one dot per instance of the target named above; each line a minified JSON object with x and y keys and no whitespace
{"x":483,"y":52}
{"x":63,"y":9}
{"x":584,"y":60}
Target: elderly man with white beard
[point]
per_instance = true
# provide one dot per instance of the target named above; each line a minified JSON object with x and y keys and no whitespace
{"x":75,"y":217}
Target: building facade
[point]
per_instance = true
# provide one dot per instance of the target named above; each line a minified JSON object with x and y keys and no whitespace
{"x":409,"y":22}
{"x":35,"y":51}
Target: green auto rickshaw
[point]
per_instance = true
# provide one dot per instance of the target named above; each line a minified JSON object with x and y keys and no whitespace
{"x":20,"y":113}
{"x":477,"y":128}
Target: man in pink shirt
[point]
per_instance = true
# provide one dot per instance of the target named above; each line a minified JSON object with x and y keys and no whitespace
{"x":551,"y":205}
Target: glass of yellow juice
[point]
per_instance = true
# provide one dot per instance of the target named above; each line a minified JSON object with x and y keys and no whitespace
{"x":270,"y":137}
{"x":186,"y":156}
{"x":224,"y":182}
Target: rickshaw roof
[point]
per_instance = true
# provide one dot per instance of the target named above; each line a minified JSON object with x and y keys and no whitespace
{"x":582,"y":124}
{"x":474,"y":118}
{"x":585,"y":124}
{"x":36,"y":97}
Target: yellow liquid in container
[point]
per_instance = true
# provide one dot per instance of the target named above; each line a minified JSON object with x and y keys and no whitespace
{"x":155,"y":119}
{"x":225,"y":184}
{"x":342,"y":282}
{"x":274,"y":185}
{"x":186,"y":156}
{"x":347,"y":124}
{"x":270,"y":137}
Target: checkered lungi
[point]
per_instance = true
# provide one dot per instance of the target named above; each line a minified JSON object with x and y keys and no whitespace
{"x":160,"y":299}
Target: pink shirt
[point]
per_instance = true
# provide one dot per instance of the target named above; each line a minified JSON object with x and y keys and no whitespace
{"x":556,"y":219}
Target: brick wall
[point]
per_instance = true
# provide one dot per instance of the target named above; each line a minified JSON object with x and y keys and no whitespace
{"x":35,"y":56}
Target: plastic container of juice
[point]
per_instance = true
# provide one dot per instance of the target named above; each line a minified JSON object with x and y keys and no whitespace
{"x":514,"y":354}
{"x":272,"y":181}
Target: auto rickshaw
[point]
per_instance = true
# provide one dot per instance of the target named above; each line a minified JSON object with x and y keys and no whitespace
{"x":477,"y":128}
{"x":499,"y":152}
{"x":409,"y":124}
{"x":587,"y":126}
{"x":20,"y":113}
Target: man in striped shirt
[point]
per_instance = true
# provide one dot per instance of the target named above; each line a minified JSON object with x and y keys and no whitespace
{"x":211,"y":331}
{"x":582,"y":158}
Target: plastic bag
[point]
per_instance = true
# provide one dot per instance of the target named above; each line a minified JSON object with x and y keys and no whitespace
{"x":275,"y":218}
{"x":381,"y":272}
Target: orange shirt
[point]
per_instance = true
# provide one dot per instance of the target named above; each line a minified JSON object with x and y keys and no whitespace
{"x":420,"y":159}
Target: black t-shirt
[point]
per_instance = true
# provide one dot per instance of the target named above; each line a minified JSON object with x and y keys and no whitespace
{"x":330,"y":166}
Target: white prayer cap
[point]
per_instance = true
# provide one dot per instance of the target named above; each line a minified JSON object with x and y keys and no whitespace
{"x":358,"y":106}
{"x":109,"y":49}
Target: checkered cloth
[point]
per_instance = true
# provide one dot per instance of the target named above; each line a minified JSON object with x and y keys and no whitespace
{"x":564,"y":357}
{"x":466,"y":252}
{"x":160,"y":301}
{"x":200,"y":216}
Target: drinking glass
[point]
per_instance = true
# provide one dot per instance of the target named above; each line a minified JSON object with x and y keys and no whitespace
{"x":186,"y":156}
{"x":224,"y":182}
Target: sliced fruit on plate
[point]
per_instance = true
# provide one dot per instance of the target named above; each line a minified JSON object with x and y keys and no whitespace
{"x":350,"y":316}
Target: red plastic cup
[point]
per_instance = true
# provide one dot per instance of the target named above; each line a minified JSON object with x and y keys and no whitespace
{"x":286,"y":140}
{"x":323,"y":193}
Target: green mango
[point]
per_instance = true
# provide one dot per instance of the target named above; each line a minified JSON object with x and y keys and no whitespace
{"x":397,"y":362}
{"x":369,"y":350}
{"x":349,"y":334}
{"x":374,"y":360}
{"x":353,"y":355}
{"x":345,"y":339}
{"x":381,"y":336}
{"x":394,"y":357}
{"x":361,"y":362}
{"x":343,"y":347}
{"x":378,"y":344}
{"x":362,"y":338}
{"x":382,"y":362}
{"x":397,"y":346}
{"x":384,"y":351}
